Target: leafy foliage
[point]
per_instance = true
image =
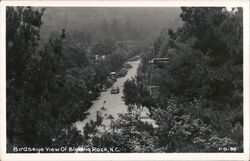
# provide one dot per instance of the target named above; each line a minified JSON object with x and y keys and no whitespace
{"x":201,"y":89}
{"x":204,"y":67}
{"x":49,"y":88}
{"x":199,"y":96}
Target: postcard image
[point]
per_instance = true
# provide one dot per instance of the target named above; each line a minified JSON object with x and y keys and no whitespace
{"x":95,"y":80}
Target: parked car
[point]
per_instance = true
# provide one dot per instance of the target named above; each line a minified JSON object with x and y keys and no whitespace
{"x":122,"y":72}
{"x":115,"y":90}
{"x":135,"y":58}
{"x":104,"y":89}
{"x":127,"y":66}
{"x":113,"y":76}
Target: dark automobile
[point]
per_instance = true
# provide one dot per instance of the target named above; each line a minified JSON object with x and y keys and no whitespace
{"x":115,"y":90}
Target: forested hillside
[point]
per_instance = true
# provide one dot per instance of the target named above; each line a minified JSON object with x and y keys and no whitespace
{"x":58,"y":64}
{"x":94,"y":24}
{"x":200,"y":106}
{"x":49,"y":87}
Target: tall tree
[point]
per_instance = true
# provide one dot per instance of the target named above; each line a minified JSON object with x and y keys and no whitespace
{"x":22,"y":35}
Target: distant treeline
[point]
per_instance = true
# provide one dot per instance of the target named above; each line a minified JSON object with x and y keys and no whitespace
{"x":94,"y":24}
{"x":114,"y":29}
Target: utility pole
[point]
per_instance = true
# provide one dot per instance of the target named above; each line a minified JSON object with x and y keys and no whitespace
{"x":155,"y":61}
{"x":150,"y":73}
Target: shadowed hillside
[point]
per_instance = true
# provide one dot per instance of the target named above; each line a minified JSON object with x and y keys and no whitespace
{"x":116,"y":23}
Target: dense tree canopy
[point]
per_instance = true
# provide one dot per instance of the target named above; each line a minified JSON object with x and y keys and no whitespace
{"x":199,"y":109}
{"x":200,"y":105}
{"x":206,"y":65}
{"x":50,"y":87}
